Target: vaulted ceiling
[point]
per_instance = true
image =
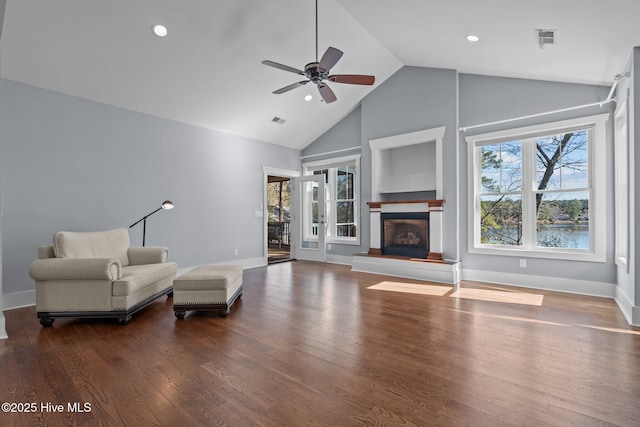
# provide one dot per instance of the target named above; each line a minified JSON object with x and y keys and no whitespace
{"x":208,"y":72}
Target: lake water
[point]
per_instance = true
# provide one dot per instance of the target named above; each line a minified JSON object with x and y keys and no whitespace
{"x":570,"y":236}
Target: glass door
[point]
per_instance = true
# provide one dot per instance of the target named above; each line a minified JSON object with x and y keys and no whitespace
{"x":309,"y":229}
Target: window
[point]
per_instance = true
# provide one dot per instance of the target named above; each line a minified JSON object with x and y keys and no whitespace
{"x":341,"y":193}
{"x":539,"y":191}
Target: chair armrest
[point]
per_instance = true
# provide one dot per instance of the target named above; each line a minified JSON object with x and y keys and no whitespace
{"x":46,"y":252}
{"x":76,"y":269}
{"x":139,"y":255}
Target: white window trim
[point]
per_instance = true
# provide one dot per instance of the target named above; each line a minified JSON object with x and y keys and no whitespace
{"x":333,"y":162}
{"x":597,"y":202}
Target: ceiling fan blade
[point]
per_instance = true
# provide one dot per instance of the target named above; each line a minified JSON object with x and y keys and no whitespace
{"x":330,"y":58}
{"x":354,"y":79}
{"x":283,"y":67}
{"x":290,"y":87}
{"x":326,"y":93}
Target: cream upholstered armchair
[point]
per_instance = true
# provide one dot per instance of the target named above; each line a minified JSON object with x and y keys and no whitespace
{"x":97,"y":274}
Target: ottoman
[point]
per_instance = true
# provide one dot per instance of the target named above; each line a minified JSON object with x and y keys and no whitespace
{"x":207,"y":288}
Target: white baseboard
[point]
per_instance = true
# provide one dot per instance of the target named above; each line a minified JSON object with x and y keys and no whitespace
{"x":19,"y":300}
{"x":244,"y":263}
{"x":630,"y":312}
{"x":3,"y":330}
{"x":339,"y":259}
{"x":572,"y":286}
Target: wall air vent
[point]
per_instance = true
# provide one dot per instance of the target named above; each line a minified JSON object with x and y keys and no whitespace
{"x":545,"y":37}
{"x":278,"y":120}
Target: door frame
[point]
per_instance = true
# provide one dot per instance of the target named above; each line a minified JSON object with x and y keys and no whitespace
{"x":268,"y":170}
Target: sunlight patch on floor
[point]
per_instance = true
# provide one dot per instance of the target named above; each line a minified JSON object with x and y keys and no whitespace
{"x":412,"y":288}
{"x":499,"y":296}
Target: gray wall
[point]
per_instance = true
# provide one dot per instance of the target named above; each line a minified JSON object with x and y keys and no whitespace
{"x":412,"y":99}
{"x":73,"y":164}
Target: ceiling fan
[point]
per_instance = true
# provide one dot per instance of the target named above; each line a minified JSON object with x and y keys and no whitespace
{"x":318,"y":71}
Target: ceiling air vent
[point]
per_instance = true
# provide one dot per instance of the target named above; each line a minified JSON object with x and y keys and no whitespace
{"x":545,"y":37}
{"x":278,"y":120}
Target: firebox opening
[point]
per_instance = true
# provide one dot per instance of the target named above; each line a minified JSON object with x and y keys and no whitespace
{"x":405,"y":234}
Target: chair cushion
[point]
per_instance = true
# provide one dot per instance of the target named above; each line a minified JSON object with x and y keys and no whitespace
{"x":95,"y":244}
{"x":136,"y":277}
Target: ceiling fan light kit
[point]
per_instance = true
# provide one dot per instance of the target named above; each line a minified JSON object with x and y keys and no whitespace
{"x":317,"y":72}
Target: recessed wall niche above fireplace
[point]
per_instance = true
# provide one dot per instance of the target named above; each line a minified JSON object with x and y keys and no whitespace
{"x":405,"y":234}
{"x":407,"y":163}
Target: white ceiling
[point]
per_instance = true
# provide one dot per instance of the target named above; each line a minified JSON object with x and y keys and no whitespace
{"x":207,"y":72}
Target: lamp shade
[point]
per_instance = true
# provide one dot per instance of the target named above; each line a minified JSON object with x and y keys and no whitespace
{"x":167,"y":204}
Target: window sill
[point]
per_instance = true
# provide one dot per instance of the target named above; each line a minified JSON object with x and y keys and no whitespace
{"x":558,"y":254}
{"x":338,"y":241}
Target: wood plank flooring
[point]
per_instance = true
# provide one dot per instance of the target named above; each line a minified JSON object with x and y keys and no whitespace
{"x":309,"y":344}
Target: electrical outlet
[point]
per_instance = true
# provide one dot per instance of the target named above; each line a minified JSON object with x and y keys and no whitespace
{"x":328,"y":246}
{"x":523,"y":263}
{"x":235,"y":252}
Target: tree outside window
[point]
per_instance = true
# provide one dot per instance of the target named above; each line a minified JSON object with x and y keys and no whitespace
{"x":561,"y":191}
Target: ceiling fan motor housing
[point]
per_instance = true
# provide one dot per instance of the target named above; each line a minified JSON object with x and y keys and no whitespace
{"x":314,"y":73}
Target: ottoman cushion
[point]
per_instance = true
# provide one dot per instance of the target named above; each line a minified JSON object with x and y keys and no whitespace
{"x":208,"y":277}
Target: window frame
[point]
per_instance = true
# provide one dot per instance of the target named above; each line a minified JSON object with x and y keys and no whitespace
{"x":597,"y":189}
{"x":331,"y":212}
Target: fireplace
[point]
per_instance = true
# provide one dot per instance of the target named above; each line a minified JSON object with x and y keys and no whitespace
{"x":429,"y":264}
{"x":405,"y":234}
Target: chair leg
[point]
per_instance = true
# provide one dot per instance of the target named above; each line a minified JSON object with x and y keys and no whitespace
{"x":47,"y":321}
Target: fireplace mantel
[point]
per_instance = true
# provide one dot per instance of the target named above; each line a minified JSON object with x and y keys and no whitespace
{"x":430,"y":203}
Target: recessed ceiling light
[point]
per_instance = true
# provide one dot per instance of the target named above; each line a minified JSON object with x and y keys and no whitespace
{"x":473,"y":38}
{"x":160,"y":30}
{"x":308,"y":98}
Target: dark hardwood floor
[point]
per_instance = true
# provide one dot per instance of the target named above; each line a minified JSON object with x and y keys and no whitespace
{"x":309,"y":344}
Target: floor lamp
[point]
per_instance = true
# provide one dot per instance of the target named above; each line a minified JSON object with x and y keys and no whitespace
{"x":167,"y":204}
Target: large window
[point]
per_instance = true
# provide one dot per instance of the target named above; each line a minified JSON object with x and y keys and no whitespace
{"x":341,"y":192}
{"x":538,"y":191}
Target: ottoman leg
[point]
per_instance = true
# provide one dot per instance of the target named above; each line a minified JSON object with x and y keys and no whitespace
{"x":223,"y":313}
{"x":124,"y":320}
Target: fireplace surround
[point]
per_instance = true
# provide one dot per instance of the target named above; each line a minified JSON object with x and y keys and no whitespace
{"x":433,"y":211}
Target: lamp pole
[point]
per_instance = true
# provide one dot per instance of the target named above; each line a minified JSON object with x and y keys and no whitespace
{"x":167,"y":204}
